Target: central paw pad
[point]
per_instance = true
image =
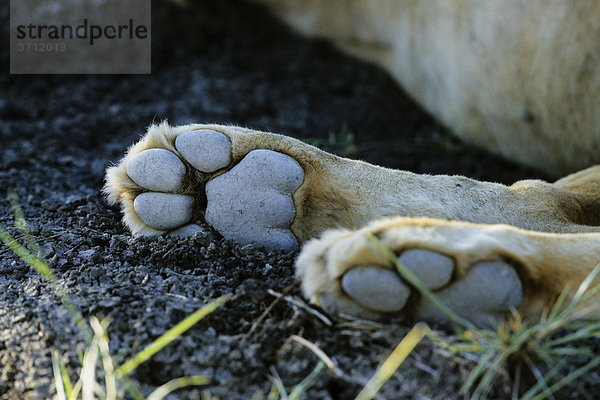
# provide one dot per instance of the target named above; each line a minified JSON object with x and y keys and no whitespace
{"x":251,"y":203}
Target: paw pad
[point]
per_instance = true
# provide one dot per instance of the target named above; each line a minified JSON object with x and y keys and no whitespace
{"x":252,"y":203}
{"x":142,"y":169}
{"x":204,"y":149}
{"x":376,"y":288}
{"x":164,"y":211}
{"x":483,"y":295}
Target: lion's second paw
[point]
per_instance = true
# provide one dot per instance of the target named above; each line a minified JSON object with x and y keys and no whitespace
{"x":343,"y":272}
{"x":171,"y":178}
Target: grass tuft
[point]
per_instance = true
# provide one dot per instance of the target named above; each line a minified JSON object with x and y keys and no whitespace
{"x":552,"y":344}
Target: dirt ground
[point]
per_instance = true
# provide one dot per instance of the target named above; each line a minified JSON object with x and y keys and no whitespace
{"x":226,"y":62}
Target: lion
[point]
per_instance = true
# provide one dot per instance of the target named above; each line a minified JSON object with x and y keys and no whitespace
{"x":520,"y":78}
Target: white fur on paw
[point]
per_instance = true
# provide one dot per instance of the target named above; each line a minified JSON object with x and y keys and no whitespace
{"x":252,"y":203}
{"x":164,"y":211}
{"x":482,"y":296}
{"x":206,"y":150}
{"x":376,"y":288}
{"x":156,"y":169}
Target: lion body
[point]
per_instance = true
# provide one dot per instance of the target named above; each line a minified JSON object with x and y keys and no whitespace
{"x":520,"y":78}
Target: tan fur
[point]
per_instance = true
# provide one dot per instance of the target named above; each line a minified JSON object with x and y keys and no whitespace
{"x":518,"y":77}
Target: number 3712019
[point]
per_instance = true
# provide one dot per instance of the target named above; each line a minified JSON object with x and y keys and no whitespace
{"x":40,"y":47}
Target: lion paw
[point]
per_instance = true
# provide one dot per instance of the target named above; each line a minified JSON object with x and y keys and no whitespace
{"x":344,"y":272}
{"x":173,"y":177}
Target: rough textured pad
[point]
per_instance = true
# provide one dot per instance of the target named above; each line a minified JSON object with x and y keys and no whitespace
{"x":483,"y":295}
{"x":164,"y":211}
{"x":433,"y":269}
{"x":252,"y":203}
{"x":187,"y":231}
{"x":156,"y":169}
{"x":376,"y":288}
{"x":204,"y":149}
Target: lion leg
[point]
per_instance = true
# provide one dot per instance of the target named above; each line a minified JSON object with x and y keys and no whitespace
{"x":585,"y":186}
{"x":253,"y":187}
{"x":479,"y":271}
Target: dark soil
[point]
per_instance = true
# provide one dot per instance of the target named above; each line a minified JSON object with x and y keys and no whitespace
{"x":223,"y":62}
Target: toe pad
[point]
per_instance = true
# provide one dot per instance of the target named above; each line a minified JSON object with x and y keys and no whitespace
{"x":204,"y":149}
{"x":164,"y":211}
{"x":376,"y":288}
{"x":433,"y":269}
{"x":156,"y":169}
{"x":483,"y":295}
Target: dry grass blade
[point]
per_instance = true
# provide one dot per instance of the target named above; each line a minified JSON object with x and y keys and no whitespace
{"x":278,"y":391}
{"x":88,"y":371}
{"x":164,"y":390}
{"x":107,"y":363}
{"x":319,"y":353}
{"x":268,"y":310}
{"x":301,"y":305}
{"x":391,"y":364}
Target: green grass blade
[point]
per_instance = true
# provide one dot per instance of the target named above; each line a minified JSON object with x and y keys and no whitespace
{"x":572,"y":352}
{"x":65,"y":378}
{"x":76,"y":390}
{"x":169,"y":336}
{"x":558,"y":304}
{"x":42,"y":268}
{"x":573,"y":376}
{"x":391,"y":364}
{"x":479,"y":369}
{"x":542,"y":380}
{"x":132,"y":389}
{"x":306,"y":382}
{"x":21,"y":223}
{"x":416,"y":282}
{"x":37,"y":264}
{"x":278,"y":389}
{"x":164,"y":390}
{"x":490,"y":373}
{"x":583,"y":332}
{"x":61,"y":393}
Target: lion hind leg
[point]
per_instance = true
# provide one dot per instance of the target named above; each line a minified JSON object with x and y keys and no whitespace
{"x":482,"y":271}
